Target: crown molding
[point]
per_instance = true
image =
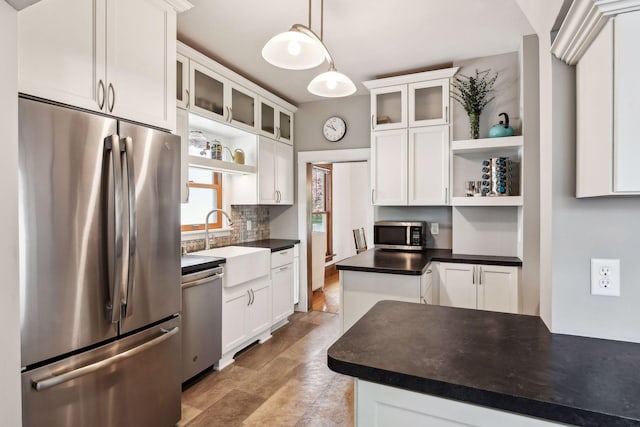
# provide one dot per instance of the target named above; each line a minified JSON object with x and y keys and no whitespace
{"x":582,"y":24}
{"x":180,"y":5}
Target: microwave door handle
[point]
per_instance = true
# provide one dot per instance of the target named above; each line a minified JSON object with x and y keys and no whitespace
{"x":112,"y":152}
{"x":127,"y":151}
{"x":408,"y":236}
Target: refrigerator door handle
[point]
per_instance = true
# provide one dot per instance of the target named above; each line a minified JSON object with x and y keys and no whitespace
{"x":71,"y":375}
{"x":112,"y":149}
{"x":127,"y":150}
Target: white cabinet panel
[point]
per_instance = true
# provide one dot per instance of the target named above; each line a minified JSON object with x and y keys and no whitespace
{"x":234,"y":328}
{"x":267,"y":171}
{"x":485,"y":287}
{"x":429,"y":165}
{"x":498,"y":288}
{"x":389,"y":108}
{"x":182,"y":130}
{"x":627,"y":103}
{"x":383,"y":406}
{"x":182,"y":81}
{"x":284,"y":173}
{"x":61,"y":45}
{"x":259,"y":310}
{"x":607,"y":107}
{"x":457,"y":285}
{"x":389,"y":167}
{"x":282,"y":292}
{"x":141,"y":57}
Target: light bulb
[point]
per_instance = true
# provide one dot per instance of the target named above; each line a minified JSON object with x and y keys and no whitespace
{"x":294,"y":48}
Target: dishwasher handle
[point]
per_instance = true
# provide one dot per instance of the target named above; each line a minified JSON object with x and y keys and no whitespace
{"x":199,"y":282}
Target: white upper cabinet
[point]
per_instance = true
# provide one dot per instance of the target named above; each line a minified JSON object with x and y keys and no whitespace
{"x":141,"y":53}
{"x":389,"y":167}
{"x":284,"y":173}
{"x":428,"y":163}
{"x":389,"y":107}
{"x":275,"y":122}
{"x":215,"y":97}
{"x":113,"y":56}
{"x":63,"y":59}
{"x":410,"y":139}
{"x":429,"y":103}
{"x":602,"y":41}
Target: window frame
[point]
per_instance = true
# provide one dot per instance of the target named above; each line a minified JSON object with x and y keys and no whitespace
{"x":216,"y":185}
{"x":328,"y":205}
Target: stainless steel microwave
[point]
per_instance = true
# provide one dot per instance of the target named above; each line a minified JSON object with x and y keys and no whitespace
{"x":402,"y":235}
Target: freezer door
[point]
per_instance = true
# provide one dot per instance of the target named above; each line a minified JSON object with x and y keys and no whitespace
{"x":134,"y":381}
{"x":151,"y":168}
{"x":66,"y":223}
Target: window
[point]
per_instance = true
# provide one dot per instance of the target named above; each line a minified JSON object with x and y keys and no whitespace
{"x":205,"y":193}
{"x":321,"y":219}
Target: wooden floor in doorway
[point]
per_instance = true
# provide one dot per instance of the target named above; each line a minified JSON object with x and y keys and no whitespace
{"x":283,"y":382}
{"x":328,"y":299}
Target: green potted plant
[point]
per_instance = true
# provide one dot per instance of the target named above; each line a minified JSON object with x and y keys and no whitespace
{"x":473,"y":94}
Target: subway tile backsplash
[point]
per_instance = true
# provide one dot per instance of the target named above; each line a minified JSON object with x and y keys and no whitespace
{"x":259,"y":217}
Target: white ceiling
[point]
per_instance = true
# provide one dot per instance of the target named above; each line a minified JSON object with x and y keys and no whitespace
{"x":367,"y":38}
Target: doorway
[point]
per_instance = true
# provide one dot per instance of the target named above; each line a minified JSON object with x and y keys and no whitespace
{"x":339,"y":204}
{"x":306,"y":160}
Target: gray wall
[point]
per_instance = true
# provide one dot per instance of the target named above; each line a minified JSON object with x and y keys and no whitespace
{"x":530,"y":113}
{"x":506,"y":92}
{"x":439,"y":214}
{"x":10,"y":400}
{"x":584,"y":229}
{"x":308,"y":137}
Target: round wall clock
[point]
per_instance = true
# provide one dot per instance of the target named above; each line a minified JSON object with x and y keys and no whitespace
{"x":334,"y":129}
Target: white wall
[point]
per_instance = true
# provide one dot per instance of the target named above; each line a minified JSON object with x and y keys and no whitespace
{"x":10,"y":396}
{"x":351,"y":207}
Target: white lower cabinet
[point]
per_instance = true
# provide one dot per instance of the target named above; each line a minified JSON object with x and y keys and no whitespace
{"x":246,"y":317}
{"x":382,"y":406}
{"x":360,"y":291}
{"x":484,"y":287}
{"x":282,"y":280}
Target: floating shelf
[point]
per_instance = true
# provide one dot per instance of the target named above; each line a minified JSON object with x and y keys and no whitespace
{"x":487,"y":201}
{"x":221,"y":166}
{"x":486,"y":144}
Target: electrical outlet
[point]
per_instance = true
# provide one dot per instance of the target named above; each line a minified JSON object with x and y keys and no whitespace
{"x":435,"y":228}
{"x":605,"y":277}
{"x":249,"y":225}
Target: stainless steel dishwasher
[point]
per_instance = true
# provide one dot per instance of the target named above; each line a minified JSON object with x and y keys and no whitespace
{"x":201,"y":320}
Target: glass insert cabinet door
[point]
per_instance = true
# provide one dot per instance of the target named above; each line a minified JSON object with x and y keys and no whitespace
{"x":275,"y":122}
{"x":242,"y":107}
{"x":389,"y":107}
{"x":429,"y":103}
{"x":182,"y":81}
{"x":208,"y":93}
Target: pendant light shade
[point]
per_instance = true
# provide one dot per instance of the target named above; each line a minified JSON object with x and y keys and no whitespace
{"x":300,"y":49}
{"x":331,"y":84}
{"x":293,"y":50}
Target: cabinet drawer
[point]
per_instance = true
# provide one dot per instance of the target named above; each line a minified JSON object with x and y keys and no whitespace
{"x":281,"y":258}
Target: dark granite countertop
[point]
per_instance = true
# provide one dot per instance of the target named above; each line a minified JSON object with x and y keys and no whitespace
{"x":415,"y":263}
{"x":194,"y":263}
{"x":504,"y":361}
{"x":274,"y":244}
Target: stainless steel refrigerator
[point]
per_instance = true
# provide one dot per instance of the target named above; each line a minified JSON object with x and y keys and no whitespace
{"x":99,"y":270}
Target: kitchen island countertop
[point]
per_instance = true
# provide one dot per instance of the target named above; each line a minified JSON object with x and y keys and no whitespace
{"x":502,"y":361}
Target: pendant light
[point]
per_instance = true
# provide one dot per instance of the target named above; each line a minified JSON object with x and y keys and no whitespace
{"x":299,"y":49}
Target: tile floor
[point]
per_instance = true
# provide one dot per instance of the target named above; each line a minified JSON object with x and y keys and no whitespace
{"x":283,"y":382}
